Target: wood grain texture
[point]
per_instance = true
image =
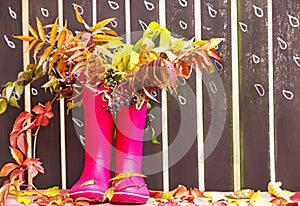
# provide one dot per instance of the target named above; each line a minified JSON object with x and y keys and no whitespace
{"x":217,"y":98}
{"x":286,"y":91}
{"x":11,"y":62}
{"x":254,"y":109}
{"x":48,"y":141}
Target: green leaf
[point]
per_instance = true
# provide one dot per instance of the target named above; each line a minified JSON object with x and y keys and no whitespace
{"x":19,"y":88}
{"x":13,"y":102}
{"x":3,"y":105}
{"x":38,"y":72}
{"x":165,"y":37}
{"x":9,"y":89}
{"x":155,"y":141}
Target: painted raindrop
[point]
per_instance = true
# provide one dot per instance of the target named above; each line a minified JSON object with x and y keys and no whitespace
{"x":183,"y":3}
{"x":113,"y":5}
{"x":260,"y":89}
{"x":82,"y":140}
{"x":9,"y":43}
{"x":243,"y":26}
{"x":114,"y":23}
{"x":78,"y":122}
{"x":16,"y":96}
{"x":212,"y":12}
{"x":45,"y":12}
{"x":154,"y":94}
{"x":293,"y":21}
{"x":143,"y":25}
{"x":219,"y":66}
{"x":34,"y":91}
{"x":80,"y":9}
{"x":12,"y":13}
{"x":183,"y":24}
{"x":213,"y":87}
{"x":255,"y":58}
{"x":297,"y":60}
{"x":149,"y":5}
{"x":258,"y":11}
{"x":181,"y":99}
{"x":282,"y":43}
{"x":181,"y":81}
{"x":288,"y":94}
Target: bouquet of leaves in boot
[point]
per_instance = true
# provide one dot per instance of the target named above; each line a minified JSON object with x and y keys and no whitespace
{"x":114,"y":82}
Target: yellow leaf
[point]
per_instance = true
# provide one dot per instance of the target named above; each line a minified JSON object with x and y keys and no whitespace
{"x":53,"y":191}
{"x":37,"y":48}
{"x":104,"y":38}
{"x":89,"y":182}
{"x":24,"y":38}
{"x":109,"y":193}
{"x":80,"y":19}
{"x":41,"y":30}
{"x":33,"y":31}
{"x":46,"y":53}
{"x":53,"y":32}
{"x":101,"y":24}
{"x":23,"y":200}
{"x":31,"y":45}
{"x":61,"y":38}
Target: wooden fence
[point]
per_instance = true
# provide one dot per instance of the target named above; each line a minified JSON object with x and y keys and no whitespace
{"x":250,"y":107}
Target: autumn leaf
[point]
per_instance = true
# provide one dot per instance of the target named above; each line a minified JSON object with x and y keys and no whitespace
{"x":295,"y":197}
{"x":89,"y":182}
{"x":46,"y":54}
{"x":31,"y":45}
{"x":53,"y":191}
{"x":23,"y":200}
{"x":41,"y":30}
{"x":61,"y":38}
{"x":17,"y":155}
{"x":19,"y":122}
{"x":109,"y":194}
{"x":100,"y":25}
{"x":34,"y":166}
{"x":3,"y":105}
{"x":37,"y":48}
{"x":22,"y":143}
{"x":53,"y":32}
{"x":105,"y":38}
{"x":33,"y":31}
{"x":24,"y":38}
{"x":8,"y":168}
{"x":80,"y":19}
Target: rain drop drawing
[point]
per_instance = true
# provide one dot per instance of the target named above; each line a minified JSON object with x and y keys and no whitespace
{"x":213,"y":87}
{"x":255,"y":58}
{"x":9,"y":42}
{"x":258,"y":11}
{"x":293,"y":21}
{"x":181,"y":81}
{"x":282,"y":43}
{"x":114,"y":23}
{"x":260,"y":89}
{"x":80,"y":9}
{"x":212,"y":12}
{"x":243,"y":27}
{"x":34,"y":91}
{"x":183,"y":25}
{"x":181,"y":99}
{"x":143,"y":25}
{"x":288,"y":94}
{"x":183,"y":3}
{"x":82,"y":140}
{"x":45,"y":12}
{"x":297,"y":60}
{"x":113,"y":5}
{"x":78,"y":122}
{"x":12,"y":13}
{"x":149,"y":6}
{"x":218,"y":66}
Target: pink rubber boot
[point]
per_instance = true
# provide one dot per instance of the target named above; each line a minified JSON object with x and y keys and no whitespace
{"x":129,"y":149}
{"x":98,"y":130}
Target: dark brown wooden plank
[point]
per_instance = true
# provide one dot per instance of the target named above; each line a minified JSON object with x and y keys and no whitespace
{"x":11,"y":62}
{"x":48,"y":143}
{"x":152,"y":163}
{"x":182,"y":107}
{"x":217,"y":100}
{"x":254,"y":95}
{"x":74,"y":121}
{"x":286,"y":90}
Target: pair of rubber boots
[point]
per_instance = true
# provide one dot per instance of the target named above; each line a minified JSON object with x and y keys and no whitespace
{"x":99,"y":129}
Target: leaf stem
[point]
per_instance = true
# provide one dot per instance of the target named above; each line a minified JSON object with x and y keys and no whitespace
{"x":35,"y":141}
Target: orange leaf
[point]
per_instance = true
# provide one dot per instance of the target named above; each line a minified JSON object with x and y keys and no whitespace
{"x":41,"y":30}
{"x":61,"y":38}
{"x":104,"y":38}
{"x":80,"y":19}
{"x":38,"y":109}
{"x":48,"y":106}
{"x":13,"y":139}
{"x":31,"y":45}
{"x":53,"y":32}
{"x":37,"y":48}
{"x":7,"y":168}
{"x":33,"y":31}
{"x":46,"y":53}
{"x":24,"y":38}
{"x":101,"y":24}
{"x":17,"y":155}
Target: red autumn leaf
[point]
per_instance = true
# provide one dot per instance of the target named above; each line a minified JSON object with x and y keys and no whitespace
{"x":18,"y":173}
{"x":13,"y":139}
{"x":34,"y":166}
{"x":292,"y":204}
{"x":8,"y":168}
{"x":41,"y":119}
{"x":155,"y":194}
{"x":49,"y":115}
{"x":48,"y":106}
{"x":38,"y":109}
{"x":28,"y":127}
{"x":22,"y":143}
{"x":295,"y":197}
{"x":214,"y":54}
{"x":18,"y":125}
{"x":279,"y":201}
{"x":17,"y":155}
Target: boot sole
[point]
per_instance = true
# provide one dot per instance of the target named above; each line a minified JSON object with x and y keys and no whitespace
{"x":90,"y":194}
{"x":129,"y":198}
